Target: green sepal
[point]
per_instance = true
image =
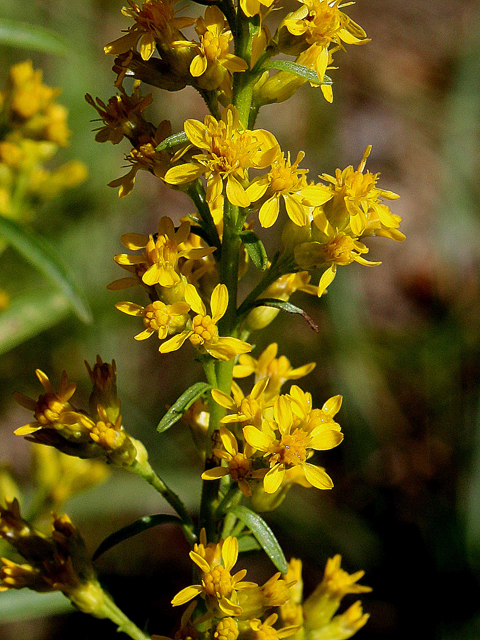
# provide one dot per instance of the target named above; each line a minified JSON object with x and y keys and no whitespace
{"x":284,"y":306}
{"x":32,"y":36}
{"x":263,"y":534}
{"x":298,"y":70}
{"x":172,"y":141}
{"x":255,"y":249}
{"x":44,"y":256}
{"x":142,"y":524}
{"x":183,"y":403}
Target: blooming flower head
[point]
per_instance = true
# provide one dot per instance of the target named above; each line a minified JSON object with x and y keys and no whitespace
{"x":122,"y":116}
{"x":145,"y":157}
{"x":239,"y":466}
{"x":159,"y":318}
{"x":218,"y":587}
{"x":356,"y":205}
{"x":213,"y":61}
{"x":266,"y":631}
{"x":286,"y":181}
{"x":155,"y":24}
{"x":159,"y":261}
{"x":203,"y":330}
{"x":230,"y":150}
{"x":248,"y":408}
{"x":285,"y":444}
{"x":276,"y":370}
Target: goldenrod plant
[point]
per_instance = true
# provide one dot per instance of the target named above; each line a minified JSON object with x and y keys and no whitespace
{"x":255,"y":429}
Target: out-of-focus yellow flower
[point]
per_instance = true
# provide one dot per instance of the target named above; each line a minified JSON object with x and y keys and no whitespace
{"x":277,"y":370}
{"x":203,"y":332}
{"x":230,"y":150}
{"x":323,"y":603}
{"x":218,"y":588}
{"x":57,"y":563}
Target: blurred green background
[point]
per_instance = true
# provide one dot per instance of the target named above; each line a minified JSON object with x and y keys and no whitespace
{"x":400,"y":342}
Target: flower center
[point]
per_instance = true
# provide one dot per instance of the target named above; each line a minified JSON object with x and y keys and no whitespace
{"x":218,"y":582}
{"x":204,"y":330}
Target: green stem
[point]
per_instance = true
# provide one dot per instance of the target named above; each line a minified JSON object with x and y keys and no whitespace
{"x":146,"y":472}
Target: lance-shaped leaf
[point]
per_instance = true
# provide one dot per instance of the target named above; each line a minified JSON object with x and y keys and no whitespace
{"x":172,"y":141}
{"x":183,"y":403}
{"x":44,"y":256}
{"x":31,"y":36}
{"x":297,"y":69}
{"x":29,"y":315}
{"x":142,"y":524}
{"x":255,"y":249}
{"x":263,"y":534}
{"x":284,"y":306}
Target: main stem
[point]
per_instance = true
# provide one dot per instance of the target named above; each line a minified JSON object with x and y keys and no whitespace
{"x":233,"y":219}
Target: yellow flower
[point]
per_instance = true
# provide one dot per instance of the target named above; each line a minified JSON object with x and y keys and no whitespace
{"x":322,"y":604}
{"x":356,"y":203}
{"x":203,"y":332}
{"x":158,"y":317}
{"x":159,"y":261}
{"x":230,"y":151}
{"x":252,"y":7}
{"x":276,"y":370}
{"x":51,"y":408}
{"x":286,"y":444}
{"x":285,"y":180}
{"x":213,"y":60}
{"x":218,"y":587}
{"x":122,"y":116}
{"x":145,"y":157}
{"x":56,"y":563}
{"x":266,"y":631}
{"x":226,"y":629}
{"x":239,"y":465}
{"x":246,"y":408}
{"x":155,"y":25}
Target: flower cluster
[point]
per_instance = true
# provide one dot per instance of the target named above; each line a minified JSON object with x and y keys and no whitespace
{"x":34,"y":126}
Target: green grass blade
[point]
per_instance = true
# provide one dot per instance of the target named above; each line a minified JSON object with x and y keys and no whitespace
{"x":31,"y":36}
{"x":43,"y":255}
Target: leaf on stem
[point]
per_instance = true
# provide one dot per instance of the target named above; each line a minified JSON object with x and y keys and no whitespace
{"x":263,"y":534}
{"x":298,"y":70}
{"x":284,"y":306}
{"x":255,"y":249}
{"x":183,"y":403}
{"x":142,"y":524}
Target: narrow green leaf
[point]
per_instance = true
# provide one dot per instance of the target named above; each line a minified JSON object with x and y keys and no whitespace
{"x":298,"y":70}
{"x":255,"y":249}
{"x":248,"y":543}
{"x":31,"y":36}
{"x":16,"y":606}
{"x":44,"y":256}
{"x":183,"y":403}
{"x":29,"y":315}
{"x":263,"y":534}
{"x":142,"y":524}
{"x":172,"y":141}
{"x":284,"y":306}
